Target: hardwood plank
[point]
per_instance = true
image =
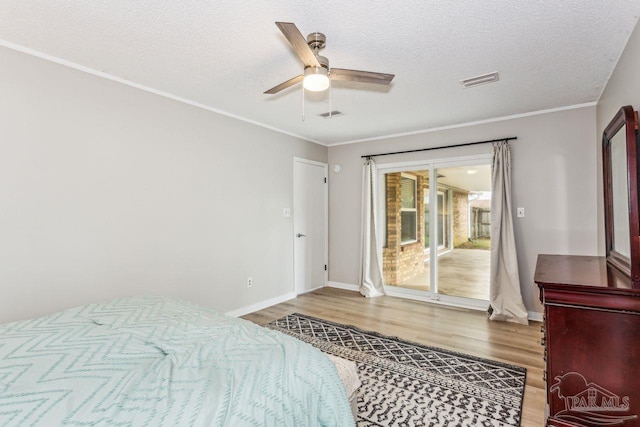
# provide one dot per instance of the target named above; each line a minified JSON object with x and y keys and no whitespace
{"x":462,"y":330}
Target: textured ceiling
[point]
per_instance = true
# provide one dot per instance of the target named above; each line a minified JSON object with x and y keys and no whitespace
{"x":224,"y":54}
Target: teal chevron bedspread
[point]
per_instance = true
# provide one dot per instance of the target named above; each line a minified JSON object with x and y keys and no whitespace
{"x":153,"y":361}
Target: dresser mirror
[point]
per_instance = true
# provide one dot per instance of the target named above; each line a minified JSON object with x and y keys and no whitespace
{"x":620,"y":162}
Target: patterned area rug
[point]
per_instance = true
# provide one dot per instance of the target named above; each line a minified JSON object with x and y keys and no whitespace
{"x":409,"y":384}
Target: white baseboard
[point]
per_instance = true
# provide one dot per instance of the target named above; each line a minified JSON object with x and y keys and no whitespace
{"x":311,"y":290}
{"x":346,"y":286}
{"x":261,"y":305}
{"x":535,"y":316}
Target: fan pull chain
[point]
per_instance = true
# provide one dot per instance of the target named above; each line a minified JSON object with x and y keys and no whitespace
{"x":303,"y":103}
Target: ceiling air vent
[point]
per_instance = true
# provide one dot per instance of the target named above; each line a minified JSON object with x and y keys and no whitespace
{"x":480,"y":80}
{"x":330,"y":114}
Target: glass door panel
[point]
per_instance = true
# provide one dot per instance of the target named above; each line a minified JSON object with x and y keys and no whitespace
{"x":464,"y":206}
{"x":404,"y":221}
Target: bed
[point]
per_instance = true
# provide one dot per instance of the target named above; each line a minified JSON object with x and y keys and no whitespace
{"x":154,"y":361}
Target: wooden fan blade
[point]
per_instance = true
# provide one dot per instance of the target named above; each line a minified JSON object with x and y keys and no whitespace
{"x":299,"y":43}
{"x":282,"y":86}
{"x":361,"y":76}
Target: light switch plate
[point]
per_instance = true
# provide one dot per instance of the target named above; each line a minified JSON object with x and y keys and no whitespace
{"x":520,"y":212}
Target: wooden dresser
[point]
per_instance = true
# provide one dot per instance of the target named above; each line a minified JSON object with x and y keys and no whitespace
{"x":591,"y":336}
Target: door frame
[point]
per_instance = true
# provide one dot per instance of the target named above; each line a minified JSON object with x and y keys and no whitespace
{"x":445,"y":230}
{"x":325,"y":167}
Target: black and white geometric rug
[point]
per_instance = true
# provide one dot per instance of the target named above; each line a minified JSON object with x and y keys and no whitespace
{"x":410,"y":384}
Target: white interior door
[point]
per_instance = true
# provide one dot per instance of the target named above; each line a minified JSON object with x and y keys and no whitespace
{"x":309,"y":224}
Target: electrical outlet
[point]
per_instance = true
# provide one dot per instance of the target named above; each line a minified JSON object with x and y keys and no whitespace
{"x":249,"y":282}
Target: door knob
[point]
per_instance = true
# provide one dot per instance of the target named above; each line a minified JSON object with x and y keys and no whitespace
{"x":301,"y":235}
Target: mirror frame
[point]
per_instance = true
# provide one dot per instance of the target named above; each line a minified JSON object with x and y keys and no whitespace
{"x":630,"y":265}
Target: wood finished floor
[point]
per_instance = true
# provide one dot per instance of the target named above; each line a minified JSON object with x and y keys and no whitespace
{"x":461,"y":330}
{"x":461,"y":272}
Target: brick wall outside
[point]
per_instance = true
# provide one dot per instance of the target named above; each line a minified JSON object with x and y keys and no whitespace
{"x":402,"y":262}
{"x":460,"y":217}
{"x":390,"y":252}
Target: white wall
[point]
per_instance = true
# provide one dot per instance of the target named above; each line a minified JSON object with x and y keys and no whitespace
{"x":554,"y":179}
{"x":623,"y":88}
{"x":107,"y":191}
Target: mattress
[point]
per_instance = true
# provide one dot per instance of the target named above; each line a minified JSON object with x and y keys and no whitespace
{"x":154,"y":361}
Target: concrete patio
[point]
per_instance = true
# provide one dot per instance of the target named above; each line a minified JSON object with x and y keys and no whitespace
{"x":461,"y":273}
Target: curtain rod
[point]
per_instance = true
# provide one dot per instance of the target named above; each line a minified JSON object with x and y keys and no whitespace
{"x":511,"y":138}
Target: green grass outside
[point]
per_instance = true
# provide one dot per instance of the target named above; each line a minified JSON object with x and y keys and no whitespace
{"x":483,"y":243}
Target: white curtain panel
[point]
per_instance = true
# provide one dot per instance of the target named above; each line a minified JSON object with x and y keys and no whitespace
{"x":371,"y":282}
{"x":505,"y":296}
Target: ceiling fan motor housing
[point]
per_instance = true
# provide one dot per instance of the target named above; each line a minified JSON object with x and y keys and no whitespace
{"x":316,"y":41}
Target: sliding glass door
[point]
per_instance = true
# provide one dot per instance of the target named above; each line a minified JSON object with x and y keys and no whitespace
{"x":435,"y":221}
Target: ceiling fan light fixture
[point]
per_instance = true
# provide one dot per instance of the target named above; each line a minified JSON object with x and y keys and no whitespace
{"x":316,"y":79}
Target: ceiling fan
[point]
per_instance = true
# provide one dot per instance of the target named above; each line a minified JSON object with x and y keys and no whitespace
{"x":317,"y":72}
